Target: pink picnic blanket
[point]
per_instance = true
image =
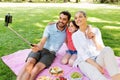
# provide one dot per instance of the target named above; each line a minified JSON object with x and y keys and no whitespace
{"x":15,"y":62}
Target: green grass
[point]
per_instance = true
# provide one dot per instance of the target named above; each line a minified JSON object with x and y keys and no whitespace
{"x":30,"y":23}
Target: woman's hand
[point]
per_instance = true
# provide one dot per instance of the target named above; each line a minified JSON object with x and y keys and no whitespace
{"x":91,"y":35}
{"x":101,"y":70}
{"x":92,"y":62}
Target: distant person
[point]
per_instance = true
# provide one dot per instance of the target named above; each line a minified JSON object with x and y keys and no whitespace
{"x":93,"y":56}
{"x":44,"y":53}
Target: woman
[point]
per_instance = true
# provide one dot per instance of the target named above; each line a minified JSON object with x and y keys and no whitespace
{"x":92,"y":55}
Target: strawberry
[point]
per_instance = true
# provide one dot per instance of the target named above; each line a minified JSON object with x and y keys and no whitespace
{"x":62,"y":78}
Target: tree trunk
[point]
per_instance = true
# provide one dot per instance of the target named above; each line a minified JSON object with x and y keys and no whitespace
{"x":77,"y":1}
{"x":65,"y":1}
{"x":102,"y":1}
{"x":114,"y":1}
{"x":29,"y":0}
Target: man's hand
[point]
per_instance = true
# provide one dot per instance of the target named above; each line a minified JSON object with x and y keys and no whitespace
{"x":50,"y":23}
{"x":35,"y":48}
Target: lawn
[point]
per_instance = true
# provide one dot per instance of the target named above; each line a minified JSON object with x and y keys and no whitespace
{"x":31,"y":21}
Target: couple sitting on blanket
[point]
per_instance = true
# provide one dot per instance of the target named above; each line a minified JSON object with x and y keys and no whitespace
{"x":89,"y":54}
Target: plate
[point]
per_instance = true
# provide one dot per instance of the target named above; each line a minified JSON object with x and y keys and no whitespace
{"x":44,"y":78}
{"x":56,"y":71}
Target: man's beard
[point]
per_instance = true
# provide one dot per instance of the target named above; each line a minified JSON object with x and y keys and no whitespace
{"x":61,"y":25}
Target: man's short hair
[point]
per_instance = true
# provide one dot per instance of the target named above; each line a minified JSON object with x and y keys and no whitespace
{"x":66,"y":13}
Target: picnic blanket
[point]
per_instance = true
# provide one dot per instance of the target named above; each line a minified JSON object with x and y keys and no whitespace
{"x":16,"y":61}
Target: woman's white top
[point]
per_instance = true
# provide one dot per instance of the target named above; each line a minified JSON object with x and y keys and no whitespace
{"x":84,"y":46}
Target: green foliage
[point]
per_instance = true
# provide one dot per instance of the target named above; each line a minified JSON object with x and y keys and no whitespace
{"x":31,"y":21}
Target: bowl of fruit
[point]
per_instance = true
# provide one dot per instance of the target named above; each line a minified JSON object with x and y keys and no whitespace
{"x":56,"y":71}
{"x":75,"y":76}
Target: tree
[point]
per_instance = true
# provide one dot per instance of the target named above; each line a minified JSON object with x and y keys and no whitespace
{"x":77,"y":1}
{"x":65,"y":1}
{"x":29,"y":0}
{"x":114,"y":1}
{"x":102,"y":1}
{"x":108,"y":1}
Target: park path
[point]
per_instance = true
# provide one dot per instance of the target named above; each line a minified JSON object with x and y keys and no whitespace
{"x":62,"y":5}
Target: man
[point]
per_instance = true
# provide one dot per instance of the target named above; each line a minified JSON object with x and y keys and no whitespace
{"x":43,"y":53}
